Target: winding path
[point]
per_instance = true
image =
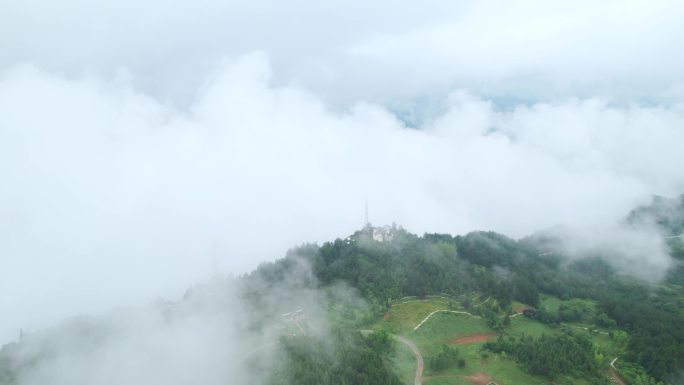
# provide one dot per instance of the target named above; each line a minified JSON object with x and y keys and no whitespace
{"x":427,"y":298}
{"x":615,"y":375}
{"x":595,"y":331}
{"x":419,"y":359}
{"x":443,"y":311}
{"x":483,"y":302}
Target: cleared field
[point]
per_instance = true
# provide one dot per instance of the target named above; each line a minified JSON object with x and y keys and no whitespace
{"x":444,"y":327}
{"x":440,"y":329}
{"x":552,"y":303}
{"x":524,"y":325}
{"x":471,"y":339}
{"x":404,"y":316}
{"x":468,"y":334}
{"x":549,"y":302}
{"x":496,"y":368}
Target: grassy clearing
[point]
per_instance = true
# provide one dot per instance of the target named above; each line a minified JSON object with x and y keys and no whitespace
{"x":500,"y":368}
{"x":406,"y":315}
{"x":552,"y":303}
{"x":518,"y":306}
{"x":438,"y":330}
{"x":523,"y":325}
{"x":549,"y":302}
{"x":443,"y":327}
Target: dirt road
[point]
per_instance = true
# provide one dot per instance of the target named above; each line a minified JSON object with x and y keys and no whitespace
{"x":419,"y":359}
{"x":615,"y":376}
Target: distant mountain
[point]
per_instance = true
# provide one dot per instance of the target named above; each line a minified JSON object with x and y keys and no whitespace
{"x":665,"y":213}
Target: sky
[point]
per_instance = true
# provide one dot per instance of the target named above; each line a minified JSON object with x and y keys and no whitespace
{"x":141,"y":141}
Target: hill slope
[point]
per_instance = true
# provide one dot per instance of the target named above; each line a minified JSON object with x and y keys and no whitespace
{"x":298,"y":320}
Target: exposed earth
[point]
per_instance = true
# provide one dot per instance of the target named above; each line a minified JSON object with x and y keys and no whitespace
{"x":471,"y":339}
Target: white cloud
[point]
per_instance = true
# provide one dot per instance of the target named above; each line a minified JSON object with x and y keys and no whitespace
{"x":125,"y":150}
{"x":213,"y":334}
{"x":348,"y":51}
{"x":627,"y":50}
{"x":104,"y":185}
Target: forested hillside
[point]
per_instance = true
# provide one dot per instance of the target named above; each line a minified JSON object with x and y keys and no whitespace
{"x":647,"y":318}
{"x":508,"y":270}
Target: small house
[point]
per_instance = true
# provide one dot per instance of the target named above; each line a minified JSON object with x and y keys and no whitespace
{"x":529,"y":312}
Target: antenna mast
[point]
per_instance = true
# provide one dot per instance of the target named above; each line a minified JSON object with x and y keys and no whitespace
{"x":366,"y":217}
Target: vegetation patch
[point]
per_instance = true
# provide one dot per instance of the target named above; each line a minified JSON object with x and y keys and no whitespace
{"x":403,"y":317}
{"x":566,"y":354}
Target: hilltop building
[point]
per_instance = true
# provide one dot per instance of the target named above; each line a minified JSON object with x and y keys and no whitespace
{"x":382,"y":234}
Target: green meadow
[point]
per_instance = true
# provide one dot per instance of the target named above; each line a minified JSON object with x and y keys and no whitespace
{"x":467,"y":334}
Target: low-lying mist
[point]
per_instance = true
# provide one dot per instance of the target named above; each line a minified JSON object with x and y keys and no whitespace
{"x":226,"y":331}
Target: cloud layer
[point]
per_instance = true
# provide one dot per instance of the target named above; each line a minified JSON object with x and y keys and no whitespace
{"x":224,"y":330}
{"x":135,"y":136}
{"x":627,"y":50}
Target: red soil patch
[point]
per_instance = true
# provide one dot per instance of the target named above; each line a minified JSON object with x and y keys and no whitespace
{"x":471,"y":339}
{"x":479,"y":378}
{"x":386,"y":316}
{"x":617,"y":377}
